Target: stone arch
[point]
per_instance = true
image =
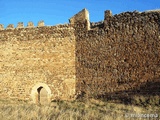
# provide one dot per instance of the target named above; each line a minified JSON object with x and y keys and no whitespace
{"x":35,"y":92}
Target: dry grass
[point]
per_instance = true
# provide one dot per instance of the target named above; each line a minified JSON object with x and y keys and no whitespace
{"x":75,"y":110}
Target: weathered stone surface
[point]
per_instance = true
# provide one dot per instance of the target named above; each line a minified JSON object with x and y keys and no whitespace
{"x":32,"y":56}
{"x":119,"y":54}
{"x":30,"y":24}
{"x":10,"y":26}
{"x":1,"y":27}
{"x":20,"y":25}
{"x":81,"y":17}
{"x":41,"y":23}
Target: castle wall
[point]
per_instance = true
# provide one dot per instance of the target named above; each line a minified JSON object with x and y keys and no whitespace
{"x":117,"y":57}
{"x":81,"y":18}
{"x":38,"y":55}
{"x":121,"y":56}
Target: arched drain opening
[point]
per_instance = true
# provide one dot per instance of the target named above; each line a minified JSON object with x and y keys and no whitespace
{"x":41,"y":93}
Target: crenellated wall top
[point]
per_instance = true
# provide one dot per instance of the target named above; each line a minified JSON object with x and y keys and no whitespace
{"x":21,"y":25}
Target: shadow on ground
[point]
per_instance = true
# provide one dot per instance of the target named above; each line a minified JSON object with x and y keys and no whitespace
{"x":146,"y":94}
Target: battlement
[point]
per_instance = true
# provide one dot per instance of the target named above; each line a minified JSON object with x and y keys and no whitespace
{"x":83,"y":17}
{"x":21,"y":25}
{"x":120,"y":54}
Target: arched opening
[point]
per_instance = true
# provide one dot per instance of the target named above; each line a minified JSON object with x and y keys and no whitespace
{"x":41,"y":93}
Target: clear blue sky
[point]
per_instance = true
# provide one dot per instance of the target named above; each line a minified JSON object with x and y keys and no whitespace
{"x":59,"y":11}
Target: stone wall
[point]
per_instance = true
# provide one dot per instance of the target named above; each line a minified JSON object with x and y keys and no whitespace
{"x":80,"y":19}
{"x":119,"y":56}
{"x":37,"y":57}
{"x":116,"y":57}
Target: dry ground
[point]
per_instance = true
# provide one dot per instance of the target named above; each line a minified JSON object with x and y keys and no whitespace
{"x":75,"y":110}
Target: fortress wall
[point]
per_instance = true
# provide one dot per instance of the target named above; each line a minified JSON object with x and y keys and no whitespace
{"x":30,"y":56}
{"x":120,"y":58}
{"x":116,"y":57}
{"x":80,"y":19}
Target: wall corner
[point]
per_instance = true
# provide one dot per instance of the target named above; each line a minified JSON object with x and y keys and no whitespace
{"x":81,"y":18}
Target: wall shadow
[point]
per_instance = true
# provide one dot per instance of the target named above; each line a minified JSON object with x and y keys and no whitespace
{"x":146,"y":93}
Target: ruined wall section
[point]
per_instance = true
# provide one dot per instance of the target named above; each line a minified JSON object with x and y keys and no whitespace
{"x":81,"y":20}
{"x":120,"y":57}
{"x":37,"y":55}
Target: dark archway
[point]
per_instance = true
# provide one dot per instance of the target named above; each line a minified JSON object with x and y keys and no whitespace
{"x":41,"y":92}
{"x":42,"y":95}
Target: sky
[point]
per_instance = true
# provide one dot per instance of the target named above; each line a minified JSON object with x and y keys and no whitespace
{"x":59,"y":11}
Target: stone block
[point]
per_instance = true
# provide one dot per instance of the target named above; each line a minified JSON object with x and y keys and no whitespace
{"x":20,"y":25}
{"x":10,"y":26}
{"x":41,"y":23}
{"x":30,"y":25}
{"x":1,"y":27}
{"x":107,"y":14}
